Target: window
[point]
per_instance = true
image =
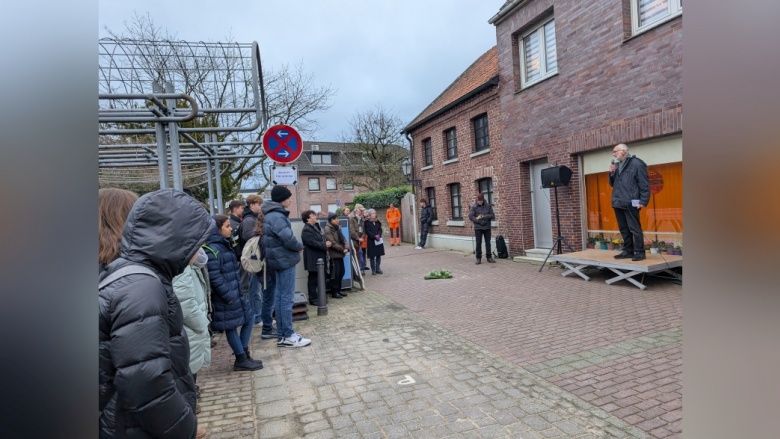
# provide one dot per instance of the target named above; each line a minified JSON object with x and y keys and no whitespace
{"x":452,"y":143}
{"x":317,"y":208}
{"x":348,"y":187}
{"x":486,"y":189}
{"x":457,"y":212}
{"x":481,"y":138}
{"x":646,"y":14}
{"x":428,"y":152}
{"x":431,"y":192}
{"x":332,"y":208}
{"x":320,"y":158}
{"x":330,"y":184}
{"x":314,"y":184}
{"x":538,"y":57}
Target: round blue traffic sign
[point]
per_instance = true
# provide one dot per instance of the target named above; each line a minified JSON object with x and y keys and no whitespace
{"x":282,"y":143}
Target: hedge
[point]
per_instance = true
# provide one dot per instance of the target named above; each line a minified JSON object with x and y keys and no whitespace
{"x":381,"y":199}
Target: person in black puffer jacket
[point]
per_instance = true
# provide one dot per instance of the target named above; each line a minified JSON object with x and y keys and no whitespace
{"x":231,"y":307}
{"x":315,"y":246}
{"x":146,"y":388}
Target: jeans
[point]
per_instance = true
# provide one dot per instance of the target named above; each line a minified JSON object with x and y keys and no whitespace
{"x":362,"y":259}
{"x":268,"y":299}
{"x":375,"y":262}
{"x":256,"y":296}
{"x":285,"y":294}
{"x":480,"y":234}
{"x":630,"y":230}
{"x":236,"y":342}
{"x":423,"y":234}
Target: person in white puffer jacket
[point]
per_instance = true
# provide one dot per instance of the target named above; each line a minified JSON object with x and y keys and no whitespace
{"x":191,"y":288}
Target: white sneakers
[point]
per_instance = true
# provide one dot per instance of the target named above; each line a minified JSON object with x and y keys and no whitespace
{"x":293,"y":341}
{"x":418,"y":248}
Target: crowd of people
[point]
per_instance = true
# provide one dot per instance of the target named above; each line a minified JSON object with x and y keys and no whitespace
{"x":171,"y":277}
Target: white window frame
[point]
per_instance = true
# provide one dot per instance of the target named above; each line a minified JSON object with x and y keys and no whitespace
{"x":543,"y":54}
{"x":317,"y":179}
{"x":674,"y":9}
{"x":322,"y":158}
{"x":332,"y":207}
{"x":348,"y":187}
{"x":317,"y":208}
{"x":328,"y":181}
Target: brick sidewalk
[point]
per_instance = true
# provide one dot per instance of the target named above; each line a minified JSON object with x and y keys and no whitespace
{"x":500,"y":350}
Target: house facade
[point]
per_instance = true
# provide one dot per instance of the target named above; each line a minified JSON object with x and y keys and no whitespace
{"x":319,"y":187}
{"x":457,"y":153}
{"x":577,"y":78}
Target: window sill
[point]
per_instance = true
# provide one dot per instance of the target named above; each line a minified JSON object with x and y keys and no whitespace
{"x":314,"y":190}
{"x":447,"y":162}
{"x":494,"y":224}
{"x":425,"y":168}
{"x":650,"y":27}
{"x":435,"y":223}
{"x":479,"y":153}
{"x":460,"y":223}
{"x":538,"y":81}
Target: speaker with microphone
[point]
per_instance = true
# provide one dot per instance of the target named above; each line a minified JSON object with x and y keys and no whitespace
{"x":555,"y":176}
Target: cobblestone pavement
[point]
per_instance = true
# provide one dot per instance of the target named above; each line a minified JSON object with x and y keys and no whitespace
{"x":499,"y":351}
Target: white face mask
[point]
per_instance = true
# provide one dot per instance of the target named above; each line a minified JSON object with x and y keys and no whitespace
{"x":201,"y":259}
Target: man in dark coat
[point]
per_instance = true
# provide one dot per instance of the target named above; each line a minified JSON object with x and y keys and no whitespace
{"x":481,"y":213}
{"x":236,"y":209}
{"x":146,"y":388}
{"x":315,"y":246}
{"x":426,"y":218}
{"x":630,"y":193}
{"x":282,"y":255}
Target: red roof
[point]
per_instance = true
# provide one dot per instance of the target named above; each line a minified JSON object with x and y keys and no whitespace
{"x":478,"y":74}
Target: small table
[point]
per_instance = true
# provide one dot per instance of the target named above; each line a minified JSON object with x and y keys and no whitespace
{"x":625,"y":269}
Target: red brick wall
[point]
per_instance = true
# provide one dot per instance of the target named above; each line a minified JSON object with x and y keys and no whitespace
{"x":467,"y":169}
{"x":609,"y":89}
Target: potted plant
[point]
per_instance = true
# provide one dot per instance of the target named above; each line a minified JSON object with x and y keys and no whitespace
{"x":678,"y":250}
{"x":617,"y":243}
{"x":591,"y":242}
{"x":599,"y":243}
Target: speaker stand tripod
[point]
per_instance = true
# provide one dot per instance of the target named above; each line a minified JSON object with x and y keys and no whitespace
{"x":560,"y":239}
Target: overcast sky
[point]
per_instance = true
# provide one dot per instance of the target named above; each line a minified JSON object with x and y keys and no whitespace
{"x":400,"y":54}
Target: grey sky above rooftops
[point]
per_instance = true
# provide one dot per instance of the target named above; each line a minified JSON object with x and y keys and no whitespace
{"x":400,"y":54}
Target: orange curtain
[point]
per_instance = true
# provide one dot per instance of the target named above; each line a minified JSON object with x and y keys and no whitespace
{"x":662,"y":215}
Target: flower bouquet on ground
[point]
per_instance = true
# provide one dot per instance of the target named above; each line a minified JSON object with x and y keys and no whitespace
{"x":439,"y":274}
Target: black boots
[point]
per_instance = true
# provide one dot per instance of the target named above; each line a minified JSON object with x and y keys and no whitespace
{"x":479,"y":261}
{"x":244,"y":362}
{"x":491,"y":260}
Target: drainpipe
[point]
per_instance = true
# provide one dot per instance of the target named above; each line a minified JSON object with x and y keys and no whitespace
{"x":414,"y":194}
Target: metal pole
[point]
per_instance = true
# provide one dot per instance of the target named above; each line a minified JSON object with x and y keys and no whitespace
{"x":322,"y":298}
{"x":210,"y":180}
{"x":218,"y":182}
{"x":162,"y":154}
{"x":173,"y":138}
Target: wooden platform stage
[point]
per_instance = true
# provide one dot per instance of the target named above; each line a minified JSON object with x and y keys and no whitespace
{"x":625,"y":269}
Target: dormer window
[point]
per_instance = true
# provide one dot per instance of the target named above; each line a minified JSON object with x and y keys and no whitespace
{"x":319,"y":158}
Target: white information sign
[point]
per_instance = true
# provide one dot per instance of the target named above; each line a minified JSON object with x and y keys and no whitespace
{"x":285,"y":175}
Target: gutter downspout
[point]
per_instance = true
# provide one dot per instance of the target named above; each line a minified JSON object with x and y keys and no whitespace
{"x":414,"y":194}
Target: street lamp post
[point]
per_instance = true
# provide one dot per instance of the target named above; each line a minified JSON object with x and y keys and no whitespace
{"x":406,"y":168}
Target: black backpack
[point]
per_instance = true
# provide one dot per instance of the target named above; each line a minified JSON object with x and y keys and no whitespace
{"x":503,"y":252}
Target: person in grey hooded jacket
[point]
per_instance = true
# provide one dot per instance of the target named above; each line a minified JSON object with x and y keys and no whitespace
{"x":145,"y":386}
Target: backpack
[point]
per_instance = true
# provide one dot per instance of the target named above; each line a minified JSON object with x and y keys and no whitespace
{"x":126,"y":271}
{"x":503,"y":252}
{"x":253,"y":255}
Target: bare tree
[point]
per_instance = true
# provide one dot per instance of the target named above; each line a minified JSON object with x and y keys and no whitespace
{"x":374,"y":150}
{"x":216,"y":75}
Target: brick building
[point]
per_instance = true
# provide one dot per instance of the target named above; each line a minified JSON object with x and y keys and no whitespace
{"x":319,"y":188}
{"x":457,"y":153}
{"x":576,"y":78}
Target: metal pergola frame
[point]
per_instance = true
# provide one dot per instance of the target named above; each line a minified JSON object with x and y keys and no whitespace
{"x":186,"y":80}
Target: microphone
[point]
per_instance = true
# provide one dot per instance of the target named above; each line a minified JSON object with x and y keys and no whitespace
{"x":615,"y":161}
